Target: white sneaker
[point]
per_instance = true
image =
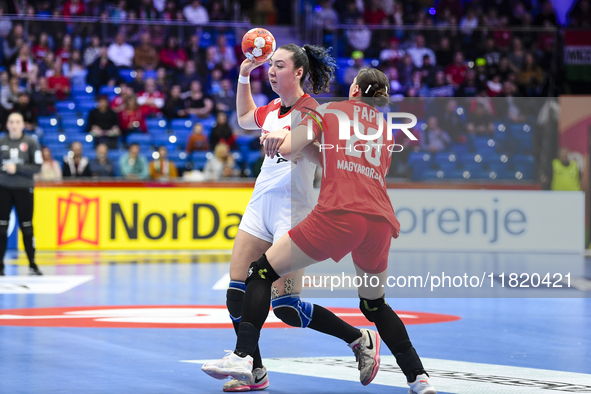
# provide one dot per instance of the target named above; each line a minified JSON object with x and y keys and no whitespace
{"x":367,"y":354}
{"x":231,"y":365}
{"x":422,"y":385}
{"x":260,"y":381}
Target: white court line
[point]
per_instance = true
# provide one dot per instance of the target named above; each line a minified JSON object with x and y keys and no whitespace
{"x":46,"y":284}
{"x":447,"y":375}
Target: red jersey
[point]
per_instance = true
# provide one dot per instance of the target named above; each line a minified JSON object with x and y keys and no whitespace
{"x":353,"y":170}
{"x":458,"y":73}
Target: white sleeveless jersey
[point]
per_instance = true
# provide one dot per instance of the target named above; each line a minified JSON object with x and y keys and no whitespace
{"x":278,"y":172}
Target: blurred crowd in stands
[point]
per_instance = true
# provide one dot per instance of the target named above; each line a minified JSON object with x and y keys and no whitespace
{"x":455,"y":49}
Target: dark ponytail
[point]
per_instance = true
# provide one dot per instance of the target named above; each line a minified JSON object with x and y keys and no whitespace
{"x":374,"y":85}
{"x":318,"y":65}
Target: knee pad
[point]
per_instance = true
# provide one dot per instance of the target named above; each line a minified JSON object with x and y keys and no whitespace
{"x":371,"y":308}
{"x":234,"y":297}
{"x":261,"y":269}
{"x":292,"y":310}
{"x":27,"y":230}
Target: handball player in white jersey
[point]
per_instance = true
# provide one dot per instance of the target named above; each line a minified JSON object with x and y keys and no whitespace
{"x":282,"y":197}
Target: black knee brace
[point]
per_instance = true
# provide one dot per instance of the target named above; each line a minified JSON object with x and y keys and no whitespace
{"x":27,"y":230}
{"x":3,"y":228}
{"x":234,"y":297}
{"x":371,"y":308}
{"x":261,"y":269}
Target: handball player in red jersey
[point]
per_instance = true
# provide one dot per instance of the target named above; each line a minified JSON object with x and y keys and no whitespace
{"x":354,"y":214}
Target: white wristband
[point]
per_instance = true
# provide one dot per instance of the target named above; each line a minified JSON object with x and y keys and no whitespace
{"x":244,"y":80}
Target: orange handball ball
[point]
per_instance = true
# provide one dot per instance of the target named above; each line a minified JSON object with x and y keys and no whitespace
{"x":258,"y":44}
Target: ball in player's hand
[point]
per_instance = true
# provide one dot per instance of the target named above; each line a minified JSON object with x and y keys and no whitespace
{"x":258,"y":44}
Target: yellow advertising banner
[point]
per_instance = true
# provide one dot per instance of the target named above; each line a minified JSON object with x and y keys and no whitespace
{"x":137,"y":218}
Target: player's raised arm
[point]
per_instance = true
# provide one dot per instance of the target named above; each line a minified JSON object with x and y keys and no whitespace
{"x":245,"y":105}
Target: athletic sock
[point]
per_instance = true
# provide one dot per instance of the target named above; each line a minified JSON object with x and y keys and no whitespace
{"x":257,"y":361}
{"x":255,"y":309}
{"x":326,"y":322}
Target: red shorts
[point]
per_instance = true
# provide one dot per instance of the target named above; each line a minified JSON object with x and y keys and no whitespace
{"x":323,"y":235}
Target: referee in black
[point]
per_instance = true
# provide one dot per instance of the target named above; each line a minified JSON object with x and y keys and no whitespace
{"x":20,"y":158}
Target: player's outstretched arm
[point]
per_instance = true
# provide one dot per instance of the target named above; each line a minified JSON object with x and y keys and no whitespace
{"x":295,"y":141}
{"x":245,"y":105}
{"x":311,"y":152}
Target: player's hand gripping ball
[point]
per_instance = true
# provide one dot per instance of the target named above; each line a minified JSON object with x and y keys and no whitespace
{"x":258,"y":44}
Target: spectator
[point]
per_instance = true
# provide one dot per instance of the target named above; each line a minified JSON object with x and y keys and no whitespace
{"x":120,"y":52}
{"x":225,"y":53}
{"x":441,"y":88}
{"x":428,"y":70}
{"x":565,"y":173}
{"x":162,"y":168}
{"x":163,"y":82}
{"x":434,"y":139}
{"x":517,"y":54}
{"x":93,"y":51}
{"x":456,"y":72}
{"x":102,"y":71}
{"x":24,"y":64}
{"x":392,"y":55}
{"x":5,"y":23}
{"x":225,"y":100}
{"x":396,"y":88}
{"x":326,"y":18}
{"x":46,"y":66}
{"x":444,"y":53}
{"x":173,"y":57}
{"x":118,"y":103}
{"x":58,"y":83}
{"x":65,"y":51}
{"x":491,"y":54}
{"x":454,"y":6}
{"x":174,"y":106}
{"x":197,"y":141}
{"x":450,"y":121}
{"x":132,"y":119}
{"x":145,"y":55}
{"x":479,"y":120}
{"x":531,"y":76}
{"x":146,"y":10}
{"x":74,"y":8}
{"x":547,"y":16}
{"x":170,"y":11}
{"x":102,"y":166}
{"x":198,"y":103}
{"x":510,"y":106}
{"x":103,"y":124}
{"x":419,"y":50}
{"x":150,"y":99}
{"x":352,"y":71}
{"x":41,"y":49}
{"x":494,"y":86}
{"x":50,"y":169}
{"x":12,"y":44}
{"x":260,"y":99}
{"x":9,"y":93}
{"x":350,"y":13}
{"x":580,"y":15}
{"x":406,"y":68}
{"x":43,"y":98}
{"x":189,"y":74}
{"x":195,"y":53}
{"x":138,"y":82}
{"x":195,"y":13}
{"x":75,"y":164}
{"x":471,"y":85}
{"x":75,"y":70}
{"x":217,"y":12}
{"x":132,"y":165}
{"x":359,"y":37}
{"x":374,"y":14}
{"x":469,"y":22}
{"x":222,"y":132}
{"x":27,"y":110}
{"x":221,"y":164}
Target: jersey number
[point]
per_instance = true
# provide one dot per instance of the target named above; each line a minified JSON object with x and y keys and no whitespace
{"x":371,"y":149}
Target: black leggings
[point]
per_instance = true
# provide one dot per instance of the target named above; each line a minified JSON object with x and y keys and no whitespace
{"x":22,"y":200}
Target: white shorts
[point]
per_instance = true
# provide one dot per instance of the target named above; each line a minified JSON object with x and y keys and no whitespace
{"x":272,"y":215}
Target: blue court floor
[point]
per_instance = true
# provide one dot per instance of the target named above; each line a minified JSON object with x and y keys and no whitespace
{"x":145,"y":322}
